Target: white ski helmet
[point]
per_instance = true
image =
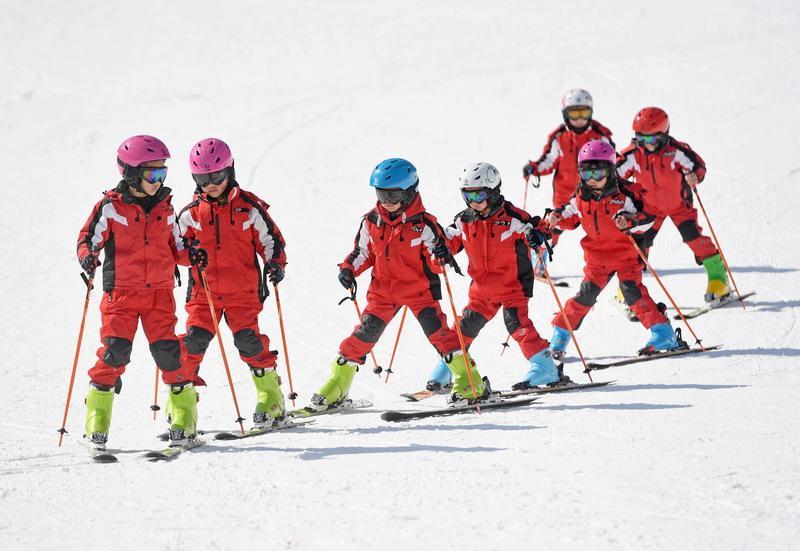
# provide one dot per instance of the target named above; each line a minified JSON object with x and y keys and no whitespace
{"x":479,"y":175}
{"x":577,"y":97}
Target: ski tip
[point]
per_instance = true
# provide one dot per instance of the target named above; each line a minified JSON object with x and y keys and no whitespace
{"x":392,"y":416}
{"x":409,"y":397}
{"x":225,"y":436}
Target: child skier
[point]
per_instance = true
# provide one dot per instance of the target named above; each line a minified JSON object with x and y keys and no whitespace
{"x":497,"y":237}
{"x":398,"y":240}
{"x":135,"y":224}
{"x":667,"y":171}
{"x":229,"y":229}
{"x":607,"y":208}
{"x":560,"y":154}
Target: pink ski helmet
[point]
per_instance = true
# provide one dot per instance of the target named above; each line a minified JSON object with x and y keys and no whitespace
{"x":210,"y":155}
{"x":140,"y":149}
{"x":597,"y":150}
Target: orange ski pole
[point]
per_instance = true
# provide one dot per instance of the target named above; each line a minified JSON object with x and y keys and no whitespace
{"x":564,"y":315}
{"x":652,"y":271}
{"x":155,"y":407}
{"x":396,"y":342}
{"x":462,"y":342}
{"x":716,"y":242}
{"x":239,"y":417}
{"x":89,"y":281}
{"x":292,"y":393}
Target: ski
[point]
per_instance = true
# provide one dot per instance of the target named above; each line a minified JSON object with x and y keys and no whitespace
{"x":420,"y":395}
{"x":556,"y":282}
{"x":556,"y":388}
{"x":170,"y":453}
{"x":98,"y":455}
{"x":592,"y":366}
{"x":395,"y":416}
{"x":258,"y":431}
{"x":345,"y":407}
{"x":713,"y":305}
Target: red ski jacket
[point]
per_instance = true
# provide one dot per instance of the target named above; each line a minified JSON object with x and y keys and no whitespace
{"x":661,"y":174}
{"x":604,"y":244}
{"x":141,"y":249}
{"x":560,"y":155}
{"x":400,"y":253}
{"x":235,"y":234}
{"x":499,"y":255}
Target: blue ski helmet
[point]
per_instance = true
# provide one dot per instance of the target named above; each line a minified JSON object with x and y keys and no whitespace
{"x":394,"y":174}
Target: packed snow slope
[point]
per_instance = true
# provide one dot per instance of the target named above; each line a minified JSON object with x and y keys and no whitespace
{"x":692,"y":453}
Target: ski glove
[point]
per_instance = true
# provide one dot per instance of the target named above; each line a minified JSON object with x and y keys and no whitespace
{"x":198,"y":258}
{"x":535,"y":238}
{"x":625,"y":221}
{"x":89,"y":263}
{"x":441,"y":252}
{"x":346,"y":278}
{"x":275,"y":272}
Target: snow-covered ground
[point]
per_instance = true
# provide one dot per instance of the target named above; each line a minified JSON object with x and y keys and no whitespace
{"x":691,"y":453}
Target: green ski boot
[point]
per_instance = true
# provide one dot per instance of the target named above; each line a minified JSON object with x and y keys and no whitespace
{"x":270,"y":406}
{"x":717,"y":278}
{"x":182,"y":414}
{"x":461,"y":387}
{"x":98,"y":416}
{"x":336,"y":388}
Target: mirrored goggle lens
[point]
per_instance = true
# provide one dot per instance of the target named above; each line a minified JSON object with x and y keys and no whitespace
{"x":391,"y":196}
{"x":644,"y":139}
{"x":477,"y":196}
{"x":592,"y":174}
{"x":154,"y":175}
{"x":215,"y":178}
{"x":579,"y":113}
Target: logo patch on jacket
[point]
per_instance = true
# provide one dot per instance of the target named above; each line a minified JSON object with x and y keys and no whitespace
{"x":241,"y":209}
{"x":418,"y":229}
{"x":617,"y":201}
{"x":502,"y":223}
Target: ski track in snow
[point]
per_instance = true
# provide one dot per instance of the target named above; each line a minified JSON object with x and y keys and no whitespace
{"x":688,"y":453}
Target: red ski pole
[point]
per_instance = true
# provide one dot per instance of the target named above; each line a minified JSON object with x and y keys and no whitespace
{"x":462,"y":342}
{"x":396,"y":342}
{"x":239,"y":417}
{"x":674,"y":305}
{"x":89,"y":281}
{"x":292,"y":393}
{"x":564,"y":315}
{"x":155,"y":407}
{"x":716,"y":242}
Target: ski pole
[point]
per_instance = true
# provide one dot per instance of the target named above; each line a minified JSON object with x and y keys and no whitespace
{"x":353,"y":290}
{"x":292,"y":393}
{"x":535,"y":184}
{"x":564,"y":315}
{"x":652,"y":271}
{"x":155,"y":407}
{"x":396,"y":342}
{"x":89,"y":281}
{"x":462,"y":342}
{"x":239,"y":417}
{"x":716,"y":242}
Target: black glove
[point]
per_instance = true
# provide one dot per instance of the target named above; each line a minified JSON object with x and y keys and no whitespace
{"x":535,"y":238}
{"x":275,"y":272}
{"x":441,"y":252}
{"x":346,"y":278}
{"x":89,"y":263}
{"x":528,"y":170}
{"x":198,"y":258}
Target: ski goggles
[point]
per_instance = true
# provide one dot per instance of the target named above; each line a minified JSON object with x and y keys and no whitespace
{"x":215,"y":178}
{"x":587,"y":174}
{"x":390,"y":196}
{"x":153,"y":175}
{"x":475,"y":196}
{"x":574,"y":114}
{"x":649,"y":139}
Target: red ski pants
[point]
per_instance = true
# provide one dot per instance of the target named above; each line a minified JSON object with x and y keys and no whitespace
{"x":241,"y":315}
{"x":378,"y":314}
{"x":515,"y":315}
{"x":120,"y":312}
{"x":596,"y":277}
{"x":685,"y":219}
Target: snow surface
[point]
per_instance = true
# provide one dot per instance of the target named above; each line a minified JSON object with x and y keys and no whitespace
{"x":692,"y":453}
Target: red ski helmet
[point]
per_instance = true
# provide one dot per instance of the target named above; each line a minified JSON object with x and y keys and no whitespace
{"x":651,"y":120}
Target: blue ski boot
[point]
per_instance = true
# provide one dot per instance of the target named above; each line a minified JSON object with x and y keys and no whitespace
{"x":662,"y":337}
{"x":543,"y":371}
{"x":441,"y":380}
{"x":559,"y":342}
